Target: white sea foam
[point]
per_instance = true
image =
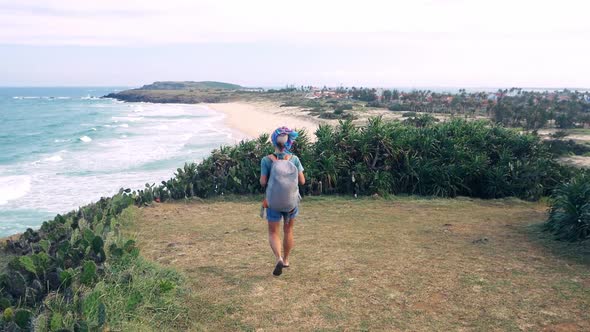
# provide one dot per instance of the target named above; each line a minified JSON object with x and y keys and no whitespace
{"x":121,"y":158}
{"x":124,"y":125}
{"x":13,"y":187}
{"x":93,"y":129}
{"x":55,"y":158}
{"x":126,"y":118}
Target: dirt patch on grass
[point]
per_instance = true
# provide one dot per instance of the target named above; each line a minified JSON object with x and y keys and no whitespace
{"x":396,"y":265}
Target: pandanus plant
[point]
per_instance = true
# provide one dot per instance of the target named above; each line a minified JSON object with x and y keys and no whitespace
{"x":569,"y":215}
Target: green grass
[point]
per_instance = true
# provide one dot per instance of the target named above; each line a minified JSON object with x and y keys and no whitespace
{"x":373,"y":264}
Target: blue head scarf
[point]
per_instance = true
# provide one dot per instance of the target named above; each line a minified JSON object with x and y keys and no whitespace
{"x":292,"y":135}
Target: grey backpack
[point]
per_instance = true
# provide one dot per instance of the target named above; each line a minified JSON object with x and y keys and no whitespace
{"x":282,"y":191}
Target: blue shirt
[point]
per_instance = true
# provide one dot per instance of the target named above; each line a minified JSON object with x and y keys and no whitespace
{"x":266,"y":163}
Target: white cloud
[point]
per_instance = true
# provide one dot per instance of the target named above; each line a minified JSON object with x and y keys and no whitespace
{"x":453,"y":42}
{"x":183,"y":21}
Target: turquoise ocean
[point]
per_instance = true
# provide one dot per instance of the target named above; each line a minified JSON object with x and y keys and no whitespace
{"x":61,"y":148}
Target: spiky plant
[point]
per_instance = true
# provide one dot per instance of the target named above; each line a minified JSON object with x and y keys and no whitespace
{"x":569,"y":215}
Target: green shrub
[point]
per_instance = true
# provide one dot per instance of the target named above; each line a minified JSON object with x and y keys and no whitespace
{"x":560,"y":134}
{"x":56,"y":321}
{"x":567,"y":147}
{"x":8,"y":314}
{"x":88,"y":274}
{"x":4,"y":303}
{"x":343,"y":107}
{"x":399,"y":108}
{"x":421,"y":121}
{"x":569,"y":214}
{"x":22,"y":318}
{"x":337,"y":114}
{"x":426,"y":158}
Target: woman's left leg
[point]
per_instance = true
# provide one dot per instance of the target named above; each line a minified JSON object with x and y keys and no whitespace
{"x":287,"y":240}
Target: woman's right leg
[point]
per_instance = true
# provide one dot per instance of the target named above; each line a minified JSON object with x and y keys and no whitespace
{"x":274,"y":238}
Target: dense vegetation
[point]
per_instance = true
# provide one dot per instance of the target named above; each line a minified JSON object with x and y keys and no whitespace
{"x":419,"y":158}
{"x":535,"y":110}
{"x":569,"y":216}
{"x":512,"y":108}
{"x":78,"y":273}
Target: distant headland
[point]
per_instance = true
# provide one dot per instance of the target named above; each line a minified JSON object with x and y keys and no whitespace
{"x":184,"y":92}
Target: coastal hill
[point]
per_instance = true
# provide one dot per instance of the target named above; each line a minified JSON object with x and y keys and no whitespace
{"x":186,"y":92}
{"x":188,"y":85}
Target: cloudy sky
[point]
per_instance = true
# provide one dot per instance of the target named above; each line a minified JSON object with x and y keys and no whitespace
{"x":418,"y":43}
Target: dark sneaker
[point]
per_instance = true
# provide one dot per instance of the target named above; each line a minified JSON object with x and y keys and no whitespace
{"x":278,"y":269}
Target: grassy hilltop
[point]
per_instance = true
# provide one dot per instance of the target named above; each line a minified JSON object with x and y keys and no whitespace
{"x":189,"y":85}
{"x":405,"y":264}
{"x":178,"y":92}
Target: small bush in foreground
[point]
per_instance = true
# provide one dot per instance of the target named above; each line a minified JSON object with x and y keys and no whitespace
{"x":569,"y":215}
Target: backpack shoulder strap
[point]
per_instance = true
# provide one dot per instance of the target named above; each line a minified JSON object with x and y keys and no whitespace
{"x":274,"y":158}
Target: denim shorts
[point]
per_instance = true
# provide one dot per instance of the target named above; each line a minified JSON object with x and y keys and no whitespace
{"x":275,"y":216}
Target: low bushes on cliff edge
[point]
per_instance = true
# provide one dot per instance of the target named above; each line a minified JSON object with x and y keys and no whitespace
{"x":449,"y":159}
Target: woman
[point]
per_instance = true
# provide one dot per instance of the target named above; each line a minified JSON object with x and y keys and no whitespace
{"x":282,"y":140}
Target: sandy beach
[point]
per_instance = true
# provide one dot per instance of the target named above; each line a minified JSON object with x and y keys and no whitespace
{"x":250,"y":119}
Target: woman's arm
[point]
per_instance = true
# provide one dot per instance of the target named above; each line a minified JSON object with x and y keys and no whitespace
{"x":264,"y":171}
{"x":263,"y":180}
{"x":301,"y":178}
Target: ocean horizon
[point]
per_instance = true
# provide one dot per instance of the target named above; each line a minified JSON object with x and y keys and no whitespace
{"x":64,"y":147}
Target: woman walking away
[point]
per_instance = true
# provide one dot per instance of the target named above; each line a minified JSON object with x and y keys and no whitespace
{"x":280,"y":173}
